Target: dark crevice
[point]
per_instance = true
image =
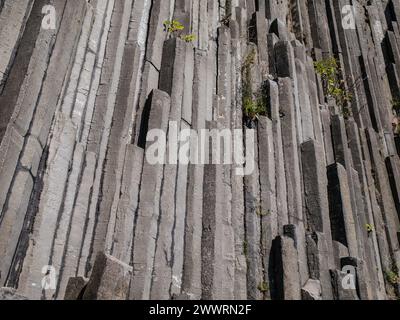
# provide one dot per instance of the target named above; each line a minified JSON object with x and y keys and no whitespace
{"x":17,"y":73}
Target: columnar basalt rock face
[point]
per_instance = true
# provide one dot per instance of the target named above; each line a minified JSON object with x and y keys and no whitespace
{"x":85,"y":214}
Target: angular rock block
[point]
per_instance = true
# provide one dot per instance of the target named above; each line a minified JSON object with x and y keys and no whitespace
{"x":218,"y":252}
{"x":110,"y":279}
{"x":12,"y":24}
{"x":159,"y":105}
{"x":191,"y":280}
{"x":10,"y":151}
{"x":341,"y":212}
{"x":284,"y":59}
{"x":311,"y":291}
{"x":259,"y":31}
{"x":357,"y":264}
{"x":172,"y":65}
{"x":315,"y":185}
{"x":286,"y":281}
{"x":340,"y":143}
{"x":280,"y":29}
{"x":393,"y":168}
{"x":290,"y":149}
{"x":13,"y":220}
{"x":10,"y":294}
{"x":340,"y":251}
{"x":281,"y":189}
{"x":75,"y":288}
{"x":320,"y":260}
{"x":341,"y":292}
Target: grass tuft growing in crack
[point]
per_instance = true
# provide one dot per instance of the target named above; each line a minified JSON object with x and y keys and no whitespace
{"x":174,"y":27}
{"x":254,"y":101}
{"x":333,"y":86}
{"x":396,"y":121}
{"x":263,"y":287}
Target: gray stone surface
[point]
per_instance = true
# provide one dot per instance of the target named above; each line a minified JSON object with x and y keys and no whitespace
{"x":311,"y":291}
{"x":290,"y":149}
{"x":109,"y":280}
{"x":319,"y":257}
{"x":315,"y":185}
{"x":281,"y":189}
{"x":268,"y":203}
{"x":340,"y":210}
{"x":340,"y":293}
{"x":12,"y":24}
{"x":9,"y":294}
{"x":75,"y":288}
{"x":78,"y":101}
{"x":191,"y":279}
{"x":286,"y":268}
{"x":149,"y":205}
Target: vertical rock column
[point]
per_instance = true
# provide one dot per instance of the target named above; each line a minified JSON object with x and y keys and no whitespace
{"x":146,"y":229}
{"x":317,"y":211}
{"x":268,"y":201}
{"x":38,"y":129}
{"x":192,"y":270}
{"x":13,"y":17}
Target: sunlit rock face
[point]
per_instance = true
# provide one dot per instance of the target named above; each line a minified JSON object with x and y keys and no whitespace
{"x":197,"y":149}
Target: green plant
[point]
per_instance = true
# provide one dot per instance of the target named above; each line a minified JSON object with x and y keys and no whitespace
{"x":369,"y":227}
{"x":396,"y":120}
{"x":262,"y":213}
{"x":254,"y":102}
{"x":345,"y":112}
{"x":172,"y":26}
{"x":249,"y":60}
{"x":391,"y":274}
{"x":263,"y":287}
{"x":392,"y":277}
{"x":396,"y":106}
{"x":245,"y":248}
{"x":328,"y":69}
{"x":253,"y":107}
{"x":188,"y":37}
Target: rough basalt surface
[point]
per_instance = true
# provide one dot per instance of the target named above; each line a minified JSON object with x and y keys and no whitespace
{"x":79,"y":198}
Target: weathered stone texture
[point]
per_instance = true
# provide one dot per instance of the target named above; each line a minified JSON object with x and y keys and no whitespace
{"x":77,"y":103}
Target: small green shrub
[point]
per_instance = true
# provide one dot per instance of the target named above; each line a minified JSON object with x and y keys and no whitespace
{"x":328,"y":69}
{"x":392,"y":274}
{"x":392,"y":277}
{"x":370,"y":228}
{"x":262,"y":213}
{"x":253,"y":108}
{"x":188,"y":37}
{"x":173,"y":26}
{"x":396,"y":121}
{"x":263,"y":287}
{"x":396,"y":106}
{"x":245,"y":248}
{"x":249,"y":60}
{"x":254,"y":101}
